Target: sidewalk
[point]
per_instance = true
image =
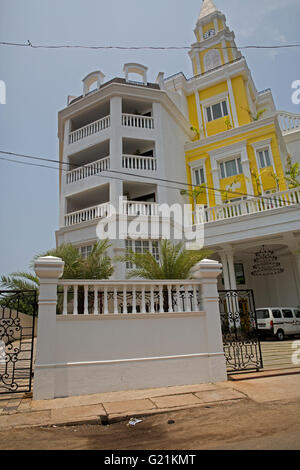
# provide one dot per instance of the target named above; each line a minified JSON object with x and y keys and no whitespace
{"x":19,"y":411}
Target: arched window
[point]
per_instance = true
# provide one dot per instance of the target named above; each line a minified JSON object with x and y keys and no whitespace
{"x":212,"y":59}
{"x":92,"y":81}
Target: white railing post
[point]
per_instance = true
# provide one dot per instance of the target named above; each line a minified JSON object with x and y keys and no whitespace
{"x":48,"y":269}
{"x":207,"y":271}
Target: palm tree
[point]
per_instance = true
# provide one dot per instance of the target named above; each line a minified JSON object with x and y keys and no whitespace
{"x":96,"y":266}
{"x":175,"y":262}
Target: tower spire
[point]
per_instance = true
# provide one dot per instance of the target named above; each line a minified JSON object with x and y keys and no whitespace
{"x":207,"y":8}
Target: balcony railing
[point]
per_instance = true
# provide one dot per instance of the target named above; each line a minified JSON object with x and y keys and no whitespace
{"x":248,"y":206}
{"x":288,"y":122}
{"x":84,"y":215}
{"x":90,"y":169}
{"x":134,"y":162}
{"x":125,"y":297}
{"x":133,"y":208}
{"x":89,"y":129}
{"x":130,"y":208}
{"x":134,"y":120}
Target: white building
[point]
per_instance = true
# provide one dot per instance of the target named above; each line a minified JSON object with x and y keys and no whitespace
{"x":134,"y":140}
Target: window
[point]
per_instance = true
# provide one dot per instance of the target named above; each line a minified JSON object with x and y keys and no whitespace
{"x":142,"y":246}
{"x":276,"y":314}
{"x":199,"y":177}
{"x":297,"y":313}
{"x":217,"y":111}
{"x":262,"y":314}
{"x":264,"y":158}
{"x":287,"y":313}
{"x":231,"y":168}
{"x":209,"y":34}
{"x":85,"y":251}
{"x":239,"y":273}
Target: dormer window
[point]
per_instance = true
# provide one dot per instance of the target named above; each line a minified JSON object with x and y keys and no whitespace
{"x":208,"y":34}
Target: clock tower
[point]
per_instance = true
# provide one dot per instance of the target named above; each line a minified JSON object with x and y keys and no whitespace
{"x":215,"y":44}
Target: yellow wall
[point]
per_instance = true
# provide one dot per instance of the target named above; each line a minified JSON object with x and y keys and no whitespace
{"x":210,"y":25}
{"x":241,"y":100}
{"x":251,"y":137}
{"x":202,"y":54}
{"x":229,"y":51}
{"x":213,"y":91}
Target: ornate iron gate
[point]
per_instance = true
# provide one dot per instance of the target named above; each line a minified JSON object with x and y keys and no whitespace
{"x":17,"y":319}
{"x":239,"y":328}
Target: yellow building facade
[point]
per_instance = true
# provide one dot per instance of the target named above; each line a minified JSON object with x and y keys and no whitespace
{"x":238,"y":148}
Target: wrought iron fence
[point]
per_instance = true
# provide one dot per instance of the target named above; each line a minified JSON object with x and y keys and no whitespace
{"x":18,"y":310}
{"x":239,"y":328}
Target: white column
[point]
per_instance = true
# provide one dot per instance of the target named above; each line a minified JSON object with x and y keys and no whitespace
{"x":116,"y":133}
{"x":246,"y":171}
{"x":207,"y":271}
{"x":216,"y":181}
{"x":224,"y":262}
{"x":232,"y":278}
{"x":200,"y":121}
{"x":232,"y":102}
{"x":48,"y":269}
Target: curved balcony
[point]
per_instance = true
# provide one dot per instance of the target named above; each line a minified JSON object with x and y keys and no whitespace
{"x":89,"y":129}
{"x":90,"y":169}
{"x":289,"y":122}
{"x":85,"y":215}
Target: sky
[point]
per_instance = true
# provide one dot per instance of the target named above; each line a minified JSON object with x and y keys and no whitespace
{"x":38,"y":82}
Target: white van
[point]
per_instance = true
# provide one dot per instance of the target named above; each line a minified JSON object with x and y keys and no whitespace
{"x":278,"y":321}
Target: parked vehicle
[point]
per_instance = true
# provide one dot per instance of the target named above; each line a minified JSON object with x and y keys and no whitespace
{"x":278,"y":322}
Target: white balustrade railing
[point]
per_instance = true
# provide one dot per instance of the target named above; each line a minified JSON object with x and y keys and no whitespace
{"x":84,"y":215}
{"x":288,"y":122}
{"x":134,"y":120}
{"x":89,"y":129}
{"x":135,"y":162}
{"x":89,"y":297}
{"x":248,"y":206}
{"x":135,"y":208}
{"x":90,"y":169}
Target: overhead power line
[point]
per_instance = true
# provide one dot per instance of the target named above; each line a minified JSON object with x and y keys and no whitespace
{"x":127,"y":48}
{"x":101,"y":175}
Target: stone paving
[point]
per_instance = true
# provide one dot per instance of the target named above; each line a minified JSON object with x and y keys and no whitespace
{"x":21,"y":411}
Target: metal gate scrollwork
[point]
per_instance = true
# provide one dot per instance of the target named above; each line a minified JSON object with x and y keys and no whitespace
{"x":17,"y":321}
{"x":239,"y":328}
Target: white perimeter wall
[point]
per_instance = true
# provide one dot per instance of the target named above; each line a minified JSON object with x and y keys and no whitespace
{"x":99,"y":354}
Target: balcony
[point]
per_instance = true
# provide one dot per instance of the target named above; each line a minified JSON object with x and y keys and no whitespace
{"x":129,"y":208}
{"x":137,"y":121}
{"x":90,"y":129}
{"x":85,"y":215}
{"x":241,"y":208}
{"x":289,"y":122}
{"x":135,"y":162}
{"x":94,"y":168}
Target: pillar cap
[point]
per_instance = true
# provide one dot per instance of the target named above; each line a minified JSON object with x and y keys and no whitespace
{"x":207,"y":268}
{"x":49,"y":267}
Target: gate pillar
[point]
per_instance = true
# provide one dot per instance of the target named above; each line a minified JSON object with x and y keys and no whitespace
{"x":48,"y":269}
{"x":208,"y":271}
